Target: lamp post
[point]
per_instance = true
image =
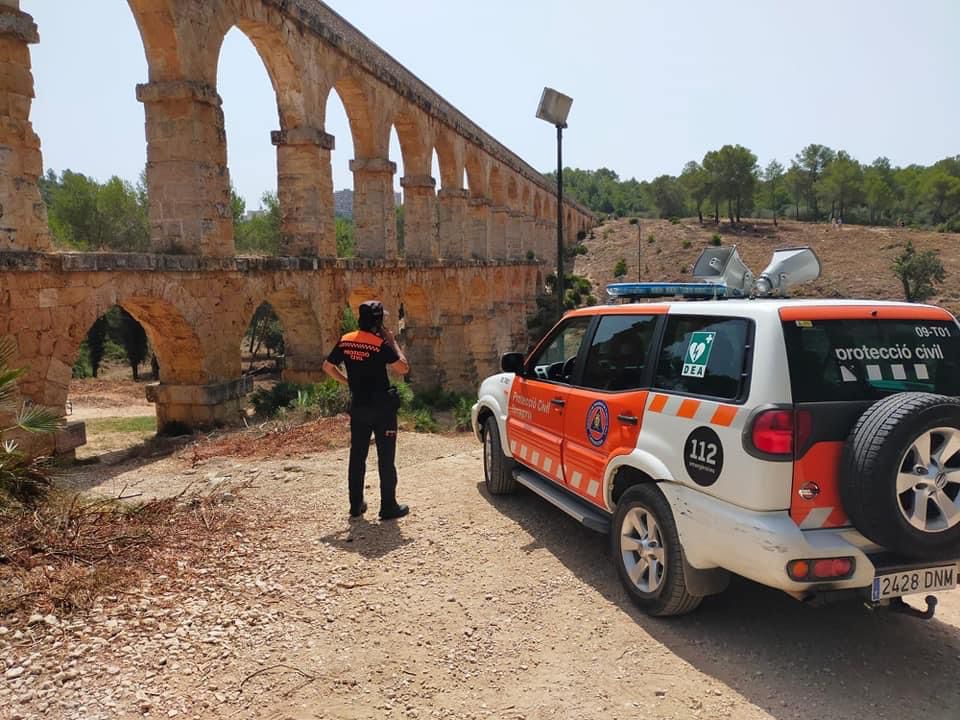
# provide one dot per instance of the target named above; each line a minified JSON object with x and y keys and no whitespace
{"x":554,"y":108}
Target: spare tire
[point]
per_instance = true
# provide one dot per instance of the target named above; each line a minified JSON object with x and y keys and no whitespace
{"x":900,"y":474}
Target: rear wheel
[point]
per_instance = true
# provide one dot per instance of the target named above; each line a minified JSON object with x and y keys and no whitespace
{"x":497,"y":467}
{"x":646,"y":549}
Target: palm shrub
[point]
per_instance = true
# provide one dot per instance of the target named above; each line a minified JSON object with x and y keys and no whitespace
{"x":22,"y":478}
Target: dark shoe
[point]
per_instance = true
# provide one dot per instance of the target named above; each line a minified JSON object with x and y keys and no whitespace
{"x":358,"y":513}
{"x":397,"y":511}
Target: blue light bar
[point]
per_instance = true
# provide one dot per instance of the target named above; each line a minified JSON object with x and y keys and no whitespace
{"x":699,"y":290}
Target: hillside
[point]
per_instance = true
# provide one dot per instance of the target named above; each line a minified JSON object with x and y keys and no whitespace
{"x":856,"y":260}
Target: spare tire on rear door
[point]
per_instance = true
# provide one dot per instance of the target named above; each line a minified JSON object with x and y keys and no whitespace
{"x":900,"y":474}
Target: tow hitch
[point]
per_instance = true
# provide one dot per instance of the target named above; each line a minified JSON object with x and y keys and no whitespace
{"x":899,"y":605}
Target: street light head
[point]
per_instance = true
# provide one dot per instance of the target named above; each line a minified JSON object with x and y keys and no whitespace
{"x":554,"y":107}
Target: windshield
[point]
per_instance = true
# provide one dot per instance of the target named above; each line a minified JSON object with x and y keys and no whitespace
{"x":869,"y":359}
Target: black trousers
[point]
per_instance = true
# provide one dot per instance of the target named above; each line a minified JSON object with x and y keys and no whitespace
{"x":382,"y":422}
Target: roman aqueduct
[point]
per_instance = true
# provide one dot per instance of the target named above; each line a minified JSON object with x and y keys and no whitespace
{"x":464,"y":275}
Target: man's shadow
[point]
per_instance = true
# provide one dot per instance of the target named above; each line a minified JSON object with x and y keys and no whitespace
{"x":370,"y":539}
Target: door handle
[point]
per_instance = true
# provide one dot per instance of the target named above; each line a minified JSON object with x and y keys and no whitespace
{"x":558,"y":401}
{"x":628,"y":419}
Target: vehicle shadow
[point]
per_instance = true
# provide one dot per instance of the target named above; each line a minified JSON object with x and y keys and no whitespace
{"x":791,"y":659}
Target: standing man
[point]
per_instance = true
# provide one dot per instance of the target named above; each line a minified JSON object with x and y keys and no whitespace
{"x":366,"y":354}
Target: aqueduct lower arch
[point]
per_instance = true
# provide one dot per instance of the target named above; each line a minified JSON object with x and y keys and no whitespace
{"x":472,"y":261}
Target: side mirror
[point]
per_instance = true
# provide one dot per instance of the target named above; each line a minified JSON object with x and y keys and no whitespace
{"x":512,"y":362}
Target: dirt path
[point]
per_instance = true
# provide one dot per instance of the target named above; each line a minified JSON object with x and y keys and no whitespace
{"x":472,"y":607}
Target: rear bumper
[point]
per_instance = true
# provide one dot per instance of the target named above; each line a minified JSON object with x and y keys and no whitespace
{"x":758,"y":545}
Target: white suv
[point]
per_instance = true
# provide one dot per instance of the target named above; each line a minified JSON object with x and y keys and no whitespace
{"x":812,"y":446}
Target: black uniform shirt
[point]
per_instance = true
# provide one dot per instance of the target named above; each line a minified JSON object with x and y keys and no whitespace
{"x":366,"y":357}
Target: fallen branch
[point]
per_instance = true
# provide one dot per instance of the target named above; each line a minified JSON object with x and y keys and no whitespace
{"x":252,"y":675}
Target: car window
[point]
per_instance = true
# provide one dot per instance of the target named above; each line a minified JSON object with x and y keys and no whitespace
{"x":618,"y":353}
{"x":834,"y":360}
{"x":556,"y":359}
{"x":703,"y":356}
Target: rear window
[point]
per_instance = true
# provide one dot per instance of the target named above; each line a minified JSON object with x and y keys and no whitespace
{"x":869,"y":359}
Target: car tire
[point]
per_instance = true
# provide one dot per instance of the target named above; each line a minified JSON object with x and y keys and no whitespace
{"x":896,"y":484}
{"x":497,"y":467}
{"x":647,"y":552}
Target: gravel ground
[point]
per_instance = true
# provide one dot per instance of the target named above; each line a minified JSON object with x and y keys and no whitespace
{"x":471,"y":607}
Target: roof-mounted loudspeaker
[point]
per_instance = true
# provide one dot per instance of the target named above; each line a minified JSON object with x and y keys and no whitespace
{"x":723,"y":266}
{"x":788,"y":267}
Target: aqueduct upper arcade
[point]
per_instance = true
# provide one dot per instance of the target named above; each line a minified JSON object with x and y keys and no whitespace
{"x":478,"y":239}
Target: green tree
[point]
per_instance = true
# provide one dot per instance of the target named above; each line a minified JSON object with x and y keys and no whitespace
{"x":941,"y":193}
{"x":734,"y":175}
{"x":260,"y":232}
{"x":96,"y":339}
{"x":795,"y":184}
{"x":669,"y":196}
{"x":134,"y":342}
{"x":841,"y":184}
{"x":696,"y":180}
{"x":879,"y":191}
{"x":85,"y":215}
{"x":812,"y":161}
{"x":774,"y":188}
{"x":919,"y":273}
{"x":344,"y":233}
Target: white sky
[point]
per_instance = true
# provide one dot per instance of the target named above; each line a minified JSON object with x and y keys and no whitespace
{"x":655,"y":82}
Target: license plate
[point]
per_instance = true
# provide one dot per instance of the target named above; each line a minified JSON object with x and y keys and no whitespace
{"x":908,"y":582}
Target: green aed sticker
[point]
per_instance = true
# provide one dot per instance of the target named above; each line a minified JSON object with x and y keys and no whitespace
{"x":697,"y":355}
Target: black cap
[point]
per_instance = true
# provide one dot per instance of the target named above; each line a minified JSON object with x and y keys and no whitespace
{"x":371,"y":315}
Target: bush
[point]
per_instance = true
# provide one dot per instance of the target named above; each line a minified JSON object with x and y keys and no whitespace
{"x":687,"y":244}
{"x":463,"y":413}
{"x":620,"y":269}
{"x":634,"y":221}
{"x":580,"y":250}
{"x":674,"y":221}
{"x":651,"y":239}
{"x":268,"y":402}
{"x":327,"y":398}
{"x":531,"y":255}
{"x":22,"y":479}
{"x":82,"y":367}
{"x":716,"y":239}
{"x":919,"y":273}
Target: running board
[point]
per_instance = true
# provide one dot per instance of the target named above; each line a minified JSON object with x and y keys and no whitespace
{"x":572,"y":506}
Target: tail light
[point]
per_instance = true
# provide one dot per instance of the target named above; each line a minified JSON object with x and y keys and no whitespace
{"x":821,"y":569}
{"x":781,"y":431}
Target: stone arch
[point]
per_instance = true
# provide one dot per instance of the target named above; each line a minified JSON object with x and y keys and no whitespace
{"x":512,"y":193}
{"x":302,"y":330}
{"x":171,"y":335}
{"x":360,"y":294}
{"x":498,"y":188}
{"x":477,"y":173}
{"x":356,"y":101}
{"x":537,"y":206}
{"x":416,"y":146}
{"x":450,"y":153}
{"x":525,"y":199}
{"x":158,"y":31}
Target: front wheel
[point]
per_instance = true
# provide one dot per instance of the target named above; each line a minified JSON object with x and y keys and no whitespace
{"x":497,"y":467}
{"x":646,"y":549}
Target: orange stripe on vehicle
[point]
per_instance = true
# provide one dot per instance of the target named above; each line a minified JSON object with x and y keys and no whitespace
{"x":820,"y":464}
{"x":659,"y":402}
{"x":863,"y":312}
{"x":724,"y":415}
{"x":688,"y":408}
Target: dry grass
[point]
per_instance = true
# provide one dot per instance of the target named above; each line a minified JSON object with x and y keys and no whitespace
{"x":69,"y":551}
